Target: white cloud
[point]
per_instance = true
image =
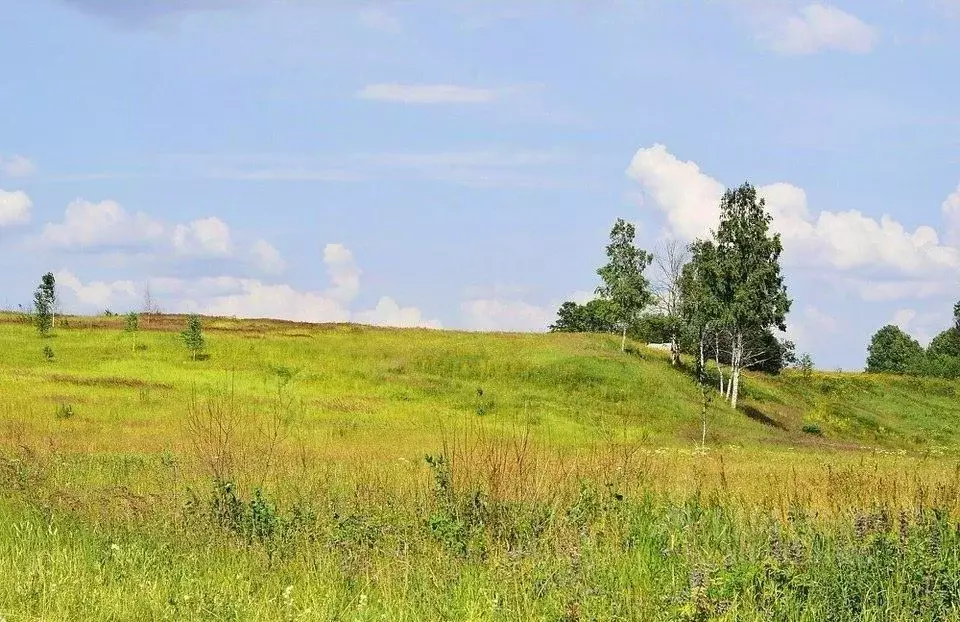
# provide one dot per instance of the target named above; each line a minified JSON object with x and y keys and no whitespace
{"x":899,"y":289}
{"x":428,"y":94}
{"x":845,"y":241}
{"x":14,"y":208}
{"x":951,"y":214}
{"x":922,"y":326}
{"x":687,"y":197}
{"x":267,"y":258}
{"x":813,"y":28}
{"x":343,"y":272}
{"x":389,"y":313}
{"x":205,"y":237}
{"x":506,"y":315}
{"x":259,"y":300}
{"x":17,"y":166}
{"x":97,"y":295}
{"x":89,"y":225}
{"x":252,"y":298}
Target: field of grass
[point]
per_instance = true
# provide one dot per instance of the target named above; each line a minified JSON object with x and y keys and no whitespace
{"x":338,"y":472}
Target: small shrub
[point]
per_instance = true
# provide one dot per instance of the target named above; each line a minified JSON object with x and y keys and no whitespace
{"x":484,"y":405}
{"x":48,"y":354}
{"x":812,"y":429}
{"x":805,"y":365}
{"x":192,"y":337}
{"x":65,"y":411}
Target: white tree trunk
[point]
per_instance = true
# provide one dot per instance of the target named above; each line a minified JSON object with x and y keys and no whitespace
{"x":674,"y":349}
{"x":736,"y":361}
{"x":623,"y":341}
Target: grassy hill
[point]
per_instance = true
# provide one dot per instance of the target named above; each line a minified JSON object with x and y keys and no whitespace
{"x":284,"y":478}
{"x":391,"y":391}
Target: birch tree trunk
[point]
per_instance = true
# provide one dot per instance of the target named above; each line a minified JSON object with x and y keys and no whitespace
{"x":623,"y":341}
{"x":719,"y":366}
{"x":736,"y":359}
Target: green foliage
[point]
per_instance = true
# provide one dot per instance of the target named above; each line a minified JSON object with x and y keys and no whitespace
{"x":624,"y":284}
{"x":748,"y":283}
{"x":48,"y":354}
{"x":813,"y":429}
{"x":893,"y":351}
{"x":652,"y":328}
{"x":947,"y":343}
{"x":65,"y":411}
{"x":805,"y":365}
{"x":44,"y":300}
{"x":596,"y":316}
{"x":132,"y":322}
{"x":192,"y":335}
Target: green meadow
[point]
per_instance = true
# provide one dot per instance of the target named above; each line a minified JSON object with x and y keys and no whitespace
{"x":343,"y":472}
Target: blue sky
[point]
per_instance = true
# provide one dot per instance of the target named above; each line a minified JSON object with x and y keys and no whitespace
{"x":460,"y":164}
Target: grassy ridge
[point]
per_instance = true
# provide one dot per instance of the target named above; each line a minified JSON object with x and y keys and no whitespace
{"x":571,"y":488}
{"x":363,"y":382}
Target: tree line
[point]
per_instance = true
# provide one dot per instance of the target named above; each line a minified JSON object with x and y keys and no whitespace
{"x":893,"y":351}
{"x":719,"y":298}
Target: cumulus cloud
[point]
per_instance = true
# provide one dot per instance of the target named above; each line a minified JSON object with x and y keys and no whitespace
{"x":260,"y":300}
{"x":845,"y":241}
{"x":951,"y":214}
{"x":97,"y":294}
{"x":16,"y":166}
{"x":14,"y":208}
{"x":505,"y":315}
{"x":90,"y":225}
{"x":343,"y":272}
{"x":686,"y":196}
{"x":208,"y":237}
{"x":267,"y":258}
{"x":389,"y":313}
{"x":923,"y":326}
{"x":252,"y":298}
{"x":428,"y":94}
{"x":811,"y":29}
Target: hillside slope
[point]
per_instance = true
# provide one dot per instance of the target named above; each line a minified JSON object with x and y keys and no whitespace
{"x":388,"y":392}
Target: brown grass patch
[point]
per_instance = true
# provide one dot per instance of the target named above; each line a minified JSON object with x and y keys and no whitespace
{"x":112,"y":382}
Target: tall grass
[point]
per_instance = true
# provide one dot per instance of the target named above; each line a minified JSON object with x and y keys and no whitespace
{"x":378,"y":483}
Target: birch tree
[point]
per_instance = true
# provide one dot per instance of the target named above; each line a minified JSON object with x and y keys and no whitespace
{"x":669,"y":260}
{"x":624,"y":284}
{"x":48,"y":285}
{"x":699,"y":308}
{"x":749,"y":286}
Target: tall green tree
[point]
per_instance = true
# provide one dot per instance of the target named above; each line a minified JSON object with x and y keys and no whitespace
{"x":44,"y":300}
{"x":749,"y":285}
{"x":893,"y":351}
{"x":49,"y":286}
{"x":624,"y":285}
{"x":699,"y":308}
{"x":192,"y":335}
